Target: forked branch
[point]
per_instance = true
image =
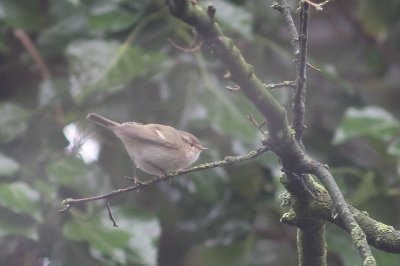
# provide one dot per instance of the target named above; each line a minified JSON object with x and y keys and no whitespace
{"x":281,"y":140}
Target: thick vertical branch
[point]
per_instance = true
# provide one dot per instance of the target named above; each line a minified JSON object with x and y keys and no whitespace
{"x":321,"y":206}
{"x":311,"y":244}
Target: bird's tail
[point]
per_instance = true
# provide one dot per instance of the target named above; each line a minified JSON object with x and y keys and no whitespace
{"x":101,"y":120}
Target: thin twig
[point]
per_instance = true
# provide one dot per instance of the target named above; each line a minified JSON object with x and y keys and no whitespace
{"x":284,"y":9}
{"x":234,"y":88}
{"x":68,"y":203}
{"x":227,"y":76}
{"x":30,"y":47}
{"x":313,"y":67}
{"x":301,"y":76}
{"x":42,"y":66}
{"x":318,"y":7}
{"x":272,"y":86}
{"x":255,"y":123}
{"x":194,"y":46}
{"x":110,"y":214}
{"x":299,"y":47}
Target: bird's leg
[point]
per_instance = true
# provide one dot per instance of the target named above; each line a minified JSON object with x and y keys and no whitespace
{"x":135,"y":179}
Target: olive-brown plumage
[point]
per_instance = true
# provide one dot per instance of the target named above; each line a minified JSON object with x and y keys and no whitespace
{"x":154,"y":148}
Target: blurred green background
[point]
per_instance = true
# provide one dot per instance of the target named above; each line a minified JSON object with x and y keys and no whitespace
{"x":115,"y":58}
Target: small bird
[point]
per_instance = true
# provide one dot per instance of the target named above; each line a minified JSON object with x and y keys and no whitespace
{"x":154,"y":148}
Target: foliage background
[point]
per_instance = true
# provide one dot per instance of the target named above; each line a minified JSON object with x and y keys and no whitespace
{"x":114,"y":58}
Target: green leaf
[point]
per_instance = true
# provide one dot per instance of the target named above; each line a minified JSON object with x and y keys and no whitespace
{"x":133,"y":241}
{"x":330,"y":72}
{"x":11,"y":225}
{"x":222,"y":255}
{"x":376,"y":19}
{"x":146,"y":230}
{"x":370,"y":121}
{"x":67,"y":170}
{"x":208,"y":186}
{"x":24,"y":14}
{"x":101,"y":237}
{"x":8,"y":166}
{"x":13,"y":122}
{"x":227,"y":114}
{"x":366,"y":190}
{"x":101,"y":66}
{"x":339,"y":243}
{"x":73,"y":2}
{"x":47,"y":93}
{"x":4,"y":47}
{"x":235,"y":17}
{"x":394,"y":148}
{"x":53,"y":90}
{"x":74,"y":173}
{"x":73,"y":23}
{"x":20,"y":198}
{"x":385,"y":258}
{"x":248,"y":180}
{"x":87,"y":60}
{"x":109,"y":17}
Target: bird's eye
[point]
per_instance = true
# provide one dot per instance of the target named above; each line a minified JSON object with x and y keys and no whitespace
{"x":191,"y":144}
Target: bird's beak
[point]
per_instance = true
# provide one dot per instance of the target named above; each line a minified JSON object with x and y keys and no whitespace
{"x":203,"y":148}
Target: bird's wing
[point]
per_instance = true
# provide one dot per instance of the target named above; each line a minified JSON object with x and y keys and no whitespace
{"x":151,"y":133}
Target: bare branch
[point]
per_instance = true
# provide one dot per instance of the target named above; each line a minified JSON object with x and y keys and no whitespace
{"x":240,"y":71}
{"x":357,"y":234}
{"x":281,"y":140}
{"x":284,"y":9}
{"x":299,"y":47}
{"x":256,"y":124}
{"x":301,"y":76}
{"x":228,"y":160}
{"x":110,"y":214}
